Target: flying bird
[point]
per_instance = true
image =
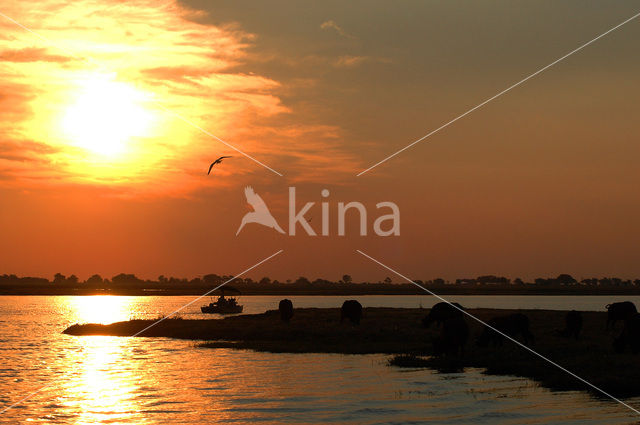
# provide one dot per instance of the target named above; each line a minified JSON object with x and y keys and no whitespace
{"x":260,"y":213}
{"x":217,"y":161}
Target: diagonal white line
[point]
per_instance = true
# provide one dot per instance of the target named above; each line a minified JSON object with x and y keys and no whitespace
{"x":208,"y":292}
{"x":49,"y":42}
{"x":25,"y":398}
{"x":91,"y":61}
{"x":501,"y":333}
{"x":192,"y":124}
{"x":28,"y":396}
{"x":500,"y":94}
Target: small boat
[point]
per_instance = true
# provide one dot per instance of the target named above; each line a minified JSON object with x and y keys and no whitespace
{"x":223,"y":305}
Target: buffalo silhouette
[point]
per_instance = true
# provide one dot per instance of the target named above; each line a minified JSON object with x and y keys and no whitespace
{"x":572,"y":325}
{"x":453,"y":337}
{"x":286,"y":310}
{"x":630,"y":336}
{"x":512,"y":325}
{"x":352,"y":310}
{"x":619,"y":311}
{"x":441,"y":312}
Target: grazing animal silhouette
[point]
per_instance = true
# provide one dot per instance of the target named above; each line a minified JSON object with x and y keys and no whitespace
{"x":511,"y":325}
{"x":453,"y":337}
{"x":286,"y":310}
{"x":619,"y":311}
{"x":352,"y":310}
{"x":572,"y":325}
{"x":260,"y":214}
{"x":217,"y":161}
{"x":441,"y":312}
{"x":630,"y":335}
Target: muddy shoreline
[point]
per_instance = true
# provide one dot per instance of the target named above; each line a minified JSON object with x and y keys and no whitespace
{"x":398,"y":331}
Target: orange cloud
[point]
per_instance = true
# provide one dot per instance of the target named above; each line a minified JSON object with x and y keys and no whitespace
{"x":160,"y":60}
{"x":31,"y":54}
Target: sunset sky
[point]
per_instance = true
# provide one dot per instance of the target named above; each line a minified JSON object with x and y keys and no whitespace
{"x":105,"y":108}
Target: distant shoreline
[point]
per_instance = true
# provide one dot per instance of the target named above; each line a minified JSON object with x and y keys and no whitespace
{"x":390,"y":290}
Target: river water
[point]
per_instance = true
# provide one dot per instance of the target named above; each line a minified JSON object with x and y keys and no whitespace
{"x":97,"y":379}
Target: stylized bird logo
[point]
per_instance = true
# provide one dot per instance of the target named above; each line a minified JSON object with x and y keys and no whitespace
{"x":217,"y":161}
{"x":260,"y":213}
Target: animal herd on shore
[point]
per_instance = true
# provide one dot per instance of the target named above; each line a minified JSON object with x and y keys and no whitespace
{"x":454,"y":330}
{"x":351,"y":310}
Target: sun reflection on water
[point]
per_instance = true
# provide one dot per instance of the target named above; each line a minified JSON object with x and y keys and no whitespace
{"x":105,"y":380}
{"x":102,"y":309}
{"x":106,"y":383}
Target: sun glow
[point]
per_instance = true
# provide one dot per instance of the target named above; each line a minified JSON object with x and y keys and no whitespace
{"x":128,"y":108}
{"x":101,"y":309}
{"x":106,"y":116}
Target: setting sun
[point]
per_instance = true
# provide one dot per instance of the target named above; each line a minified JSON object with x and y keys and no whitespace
{"x":105,"y":116}
{"x":319,"y":212}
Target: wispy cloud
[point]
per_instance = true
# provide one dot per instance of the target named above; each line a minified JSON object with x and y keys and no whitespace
{"x":332,"y":25}
{"x":352,"y":61}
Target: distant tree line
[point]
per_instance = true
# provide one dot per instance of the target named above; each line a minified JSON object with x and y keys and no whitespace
{"x":212,"y":280}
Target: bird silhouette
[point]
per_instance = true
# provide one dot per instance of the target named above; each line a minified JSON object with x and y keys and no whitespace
{"x":260,"y":213}
{"x":217,"y":161}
